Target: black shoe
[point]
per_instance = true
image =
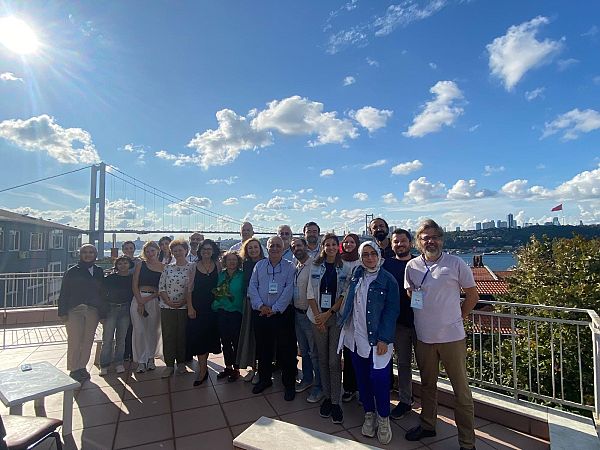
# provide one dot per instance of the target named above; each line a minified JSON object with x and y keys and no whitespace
{"x":290,"y":394}
{"x":465,"y":448}
{"x":233,"y":376}
{"x":226,"y":372}
{"x":337,"y":415}
{"x":326,"y":407}
{"x":261,"y":386}
{"x":198,"y":381}
{"x":417,"y":433}
{"x":349,"y":396}
{"x":401,"y":410}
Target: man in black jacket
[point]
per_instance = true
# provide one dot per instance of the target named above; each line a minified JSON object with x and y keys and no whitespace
{"x":78,"y":307}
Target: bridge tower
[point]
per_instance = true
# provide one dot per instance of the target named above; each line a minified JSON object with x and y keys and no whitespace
{"x":97,"y":206}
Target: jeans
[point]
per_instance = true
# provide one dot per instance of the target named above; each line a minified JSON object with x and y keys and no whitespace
{"x":308,"y":350}
{"x":373,"y":384}
{"x":117,"y":319}
{"x":330,"y":361}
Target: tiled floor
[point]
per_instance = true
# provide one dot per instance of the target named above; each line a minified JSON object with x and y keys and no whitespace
{"x":143,"y":411}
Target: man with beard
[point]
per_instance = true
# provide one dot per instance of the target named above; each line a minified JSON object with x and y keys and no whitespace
{"x":195,"y":240}
{"x":405,"y":329}
{"x":312,"y":231}
{"x":285,"y":233}
{"x":434,"y":281}
{"x":380,"y":230}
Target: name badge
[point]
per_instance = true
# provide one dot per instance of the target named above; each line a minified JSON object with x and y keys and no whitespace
{"x":416,"y":300}
{"x":272,"y":287}
{"x":325,"y":301}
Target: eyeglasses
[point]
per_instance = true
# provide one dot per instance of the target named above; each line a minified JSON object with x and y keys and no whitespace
{"x":430,"y":238}
{"x":370,"y":255}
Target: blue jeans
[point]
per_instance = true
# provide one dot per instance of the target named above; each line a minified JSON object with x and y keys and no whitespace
{"x":117,"y":319}
{"x":308,"y":349}
{"x":373,"y":384}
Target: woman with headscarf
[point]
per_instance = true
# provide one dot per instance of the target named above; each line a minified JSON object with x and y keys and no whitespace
{"x":349,"y":252}
{"x":368,"y":331}
{"x":78,"y":305}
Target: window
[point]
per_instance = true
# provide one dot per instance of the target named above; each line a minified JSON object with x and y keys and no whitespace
{"x":56,"y":239}
{"x":1,"y":239}
{"x":74,"y":243}
{"x":37,"y":241}
{"x":55,"y":266}
{"x":14,"y":240}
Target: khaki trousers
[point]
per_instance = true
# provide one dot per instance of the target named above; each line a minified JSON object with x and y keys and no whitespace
{"x":81,"y":325}
{"x":453,"y":355}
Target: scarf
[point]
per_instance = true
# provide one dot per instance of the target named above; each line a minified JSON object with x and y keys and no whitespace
{"x":353,"y":255}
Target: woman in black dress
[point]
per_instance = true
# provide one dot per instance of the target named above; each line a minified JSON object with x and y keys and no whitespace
{"x":202,"y":332}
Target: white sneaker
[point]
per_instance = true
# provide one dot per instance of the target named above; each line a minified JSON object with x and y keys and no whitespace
{"x":384,"y":430}
{"x":141,"y":368}
{"x":248,"y":377}
{"x":369,"y":425}
{"x":151,"y":365}
{"x":120,"y":368}
{"x":104,"y":371}
{"x":255,"y":378}
{"x":168,"y":371}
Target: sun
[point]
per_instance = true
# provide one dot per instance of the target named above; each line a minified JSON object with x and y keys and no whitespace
{"x":17,"y":36}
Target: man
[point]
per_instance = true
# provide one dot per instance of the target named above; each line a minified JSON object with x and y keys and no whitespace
{"x":434,"y":280}
{"x":380,"y":230}
{"x":246,"y":232}
{"x":312,"y":231}
{"x":285,"y":233}
{"x":196,"y":240}
{"x":304,"y":327}
{"x":271,"y":290}
{"x":128,"y":249}
{"x":405,"y":330}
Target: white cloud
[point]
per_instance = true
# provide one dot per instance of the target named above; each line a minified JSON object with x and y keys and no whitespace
{"x":420,"y":190}
{"x":488,"y":170}
{"x":371,"y":118}
{"x":433,"y":65}
{"x":275,"y":203}
{"x":438,"y":112}
{"x":310,"y":205}
{"x":593,"y":31}
{"x":372,"y":62}
{"x":474,"y":128}
{"x":520,"y":189}
{"x":518,"y":51}
{"x":361,"y":196}
{"x":139,"y":150}
{"x":249,"y":197}
{"x":298,"y":116}
{"x":564,"y":64}
{"x":332,"y":199}
{"x":275,"y":217}
{"x":42,"y":133}
{"x":573,"y":123}
{"x":378,"y":163}
{"x":582,"y":186}
{"x":540,"y":166}
{"x":228,"y":181}
{"x":327,"y":172}
{"x":344,"y":38}
{"x":467,"y":190}
{"x":407,"y":167}
{"x":349,"y":80}
{"x":9,"y":76}
{"x":536,"y":93}
{"x":230,"y":201}
{"x":404,"y":13}
{"x":389,"y":198}
{"x":188,"y":206}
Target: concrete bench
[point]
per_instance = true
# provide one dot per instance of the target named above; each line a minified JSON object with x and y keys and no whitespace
{"x":270,"y":434}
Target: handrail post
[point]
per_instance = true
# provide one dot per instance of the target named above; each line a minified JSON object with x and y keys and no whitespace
{"x":513,"y":333}
{"x":596,"y":355}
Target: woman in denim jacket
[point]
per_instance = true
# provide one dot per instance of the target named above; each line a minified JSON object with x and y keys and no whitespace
{"x":368,"y":326}
{"x":327,"y":284}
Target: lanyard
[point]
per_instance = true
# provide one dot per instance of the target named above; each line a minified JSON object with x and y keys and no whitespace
{"x":297,"y":275}
{"x":424,"y":276}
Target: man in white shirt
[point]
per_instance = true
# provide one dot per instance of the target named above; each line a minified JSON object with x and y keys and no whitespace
{"x":312,"y":233}
{"x":196,"y":240}
{"x":434,"y":281}
{"x":246,"y":232}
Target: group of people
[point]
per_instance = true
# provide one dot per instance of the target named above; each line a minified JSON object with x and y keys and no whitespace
{"x":344,"y":306}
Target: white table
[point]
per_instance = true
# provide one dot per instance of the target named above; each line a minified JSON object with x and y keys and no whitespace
{"x":18,"y":387}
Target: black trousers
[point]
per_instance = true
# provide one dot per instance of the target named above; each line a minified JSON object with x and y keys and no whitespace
{"x":349,"y":377}
{"x":279,"y":329}
{"x":229,"y":333}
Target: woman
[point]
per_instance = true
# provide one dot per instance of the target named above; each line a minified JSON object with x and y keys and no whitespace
{"x":229,"y":305}
{"x":145,"y":310}
{"x":202,"y":332}
{"x":78,"y":304}
{"x":328,"y":281}
{"x":165,"y":256}
{"x":251,"y":253}
{"x":117,"y":293}
{"x":172,"y":288}
{"x":368,"y":331}
{"x":349,"y":252}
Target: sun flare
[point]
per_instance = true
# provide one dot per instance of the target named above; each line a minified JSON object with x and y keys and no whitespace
{"x":17,"y":36}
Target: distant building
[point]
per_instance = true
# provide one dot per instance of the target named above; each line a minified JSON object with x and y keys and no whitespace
{"x":457,"y":229}
{"x":478,"y":226}
{"x":555,"y":221}
{"x":511,"y":221}
{"x":488,"y":225}
{"x":502,"y":224}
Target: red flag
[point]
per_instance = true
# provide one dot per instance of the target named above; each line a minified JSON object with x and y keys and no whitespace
{"x":557,"y":208}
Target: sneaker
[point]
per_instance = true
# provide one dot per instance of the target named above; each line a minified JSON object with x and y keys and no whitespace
{"x":302,"y":386}
{"x":261,"y":386}
{"x":181,"y":369}
{"x":120,"y":368}
{"x":77,"y":375}
{"x":151,"y":365}
{"x":315,"y":396}
{"x":401,"y":410}
{"x":384,"y":430}
{"x":326,"y":407}
{"x":289,"y":395}
{"x":369,"y":425}
{"x":416,"y":433}
{"x":255,"y":378}
{"x":337,"y":415}
{"x":141,"y":368}
{"x":103,"y":371}
{"x":349,"y":396}
{"x":167,"y":372}
{"x":85,"y":374}
{"x":248,"y":377}
{"x":233,"y":376}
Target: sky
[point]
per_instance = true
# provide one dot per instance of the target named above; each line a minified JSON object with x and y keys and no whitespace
{"x":285,"y":112}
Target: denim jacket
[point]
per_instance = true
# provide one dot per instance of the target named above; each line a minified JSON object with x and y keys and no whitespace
{"x":383,"y":305}
{"x":314,"y":284}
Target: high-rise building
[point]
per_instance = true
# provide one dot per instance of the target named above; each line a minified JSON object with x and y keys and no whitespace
{"x":457,"y":229}
{"x":502,"y":224}
{"x":488,"y":225}
{"x":511,"y":221}
{"x":478,"y":226}
{"x":555,"y":221}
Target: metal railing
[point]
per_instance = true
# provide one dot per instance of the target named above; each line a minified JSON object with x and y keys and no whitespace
{"x":540,"y":353}
{"x":21,"y":290}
